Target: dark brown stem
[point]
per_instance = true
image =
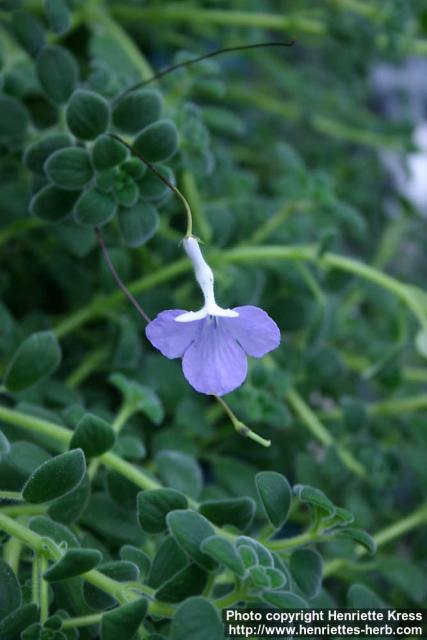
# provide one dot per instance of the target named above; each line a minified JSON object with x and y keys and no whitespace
{"x":211,"y":54}
{"x":116,"y":277}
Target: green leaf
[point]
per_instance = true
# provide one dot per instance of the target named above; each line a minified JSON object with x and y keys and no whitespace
{"x":190,"y":529}
{"x":94,"y":208}
{"x":37,"y":153}
{"x":88,"y":114}
{"x":121,"y":571}
{"x":361,"y":537}
{"x":53,"y":204}
{"x":107,"y":153}
{"x":169,"y":560}
{"x":276,"y":496}
{"x":137,"y":110}
{"x":190,"y":581}
{"x":238,"y":512}
{"x":223,"y":552}
{"x":13,"y":118}
{"x":123,"y":622}
{"x":10,"y":591}
{"x":153,"y":507}
{"x":68,"y":509}
{"x":69,"y":168}
{"x":361,"y":597}
{"x":152,"y":188}
{"x":306,"y":568}
{"x":134,"y":167}
{"x":138,"y":224}
{"x":121,"y":490}
{"x":248,"y":555}
{"x":93,"y":435}
{"x":56,"y":477}
{"x":36,"y":359}
{"x":284,"y":600}
{"x":4,"y":444}
{"x":158,"y":141}
{"x":57,"y":72}
{"x":180,"y":471}
{"x":138,"y":557}
{"x":73,"y":563}
{"x":139,"y":398}
{"x":16,"y":622}
{"x":110,"y":521}
{"x":28,"y":31}
{"x":196,"y":619}
{"x":58,"y":15}
{"x":276,"y":578}
{"x":57,"y":532}
{"x":265,"y":558}
{"x":315,"y":498}
{"x":126,"y":193}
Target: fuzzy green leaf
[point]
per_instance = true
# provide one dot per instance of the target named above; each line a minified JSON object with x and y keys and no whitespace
{"x":36,"y":359}
{"x":69,"y":168}
{"x":57,"y":72}
{"x":153,"y":507}
{"x":157,"y":142}
{"x":88,"y":114}
{"x":94,"y":208}
{"x":276,"y":496}
{"x":56,"y":477}
{"x":73,"y":563}
{"x":93,"y":435}
{"x":137,"y":110}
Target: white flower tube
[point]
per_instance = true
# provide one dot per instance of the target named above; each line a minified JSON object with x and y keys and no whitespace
{"x":205,"y":278}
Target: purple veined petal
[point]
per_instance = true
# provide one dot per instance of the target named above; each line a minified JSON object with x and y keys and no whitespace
{"x":254,"y":330}
{"x":169,"y":337}
{"x":215,"y":364}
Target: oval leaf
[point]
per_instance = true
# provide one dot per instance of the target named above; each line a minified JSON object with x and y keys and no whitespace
{"x":225,"y":553}
{"x":53,"y":204}
{"x":57,"y":72}
{"x":190,"y":529}
{"x":94,"y":208}
{"x":10,"y":591}
{"x":138,"y":224}
{"x":153,"y":507}
{"x":158,"y":141}
{"x":73,"y":563}
{"x":123,"y":622}
{"x":56,"y":477}
{"x":69,"y":168}
{"x":136,"y":110}
{"x":36,"y":359}
{"x":196,"y":619}
{"x":93,"y":435}
{"x":107,"y":153}
{"x":88,"y":114}
{"x":276,"y":496}
{"x":306,"y":567}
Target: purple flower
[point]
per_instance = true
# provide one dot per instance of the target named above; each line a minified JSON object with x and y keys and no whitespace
{"x":213,"y":343}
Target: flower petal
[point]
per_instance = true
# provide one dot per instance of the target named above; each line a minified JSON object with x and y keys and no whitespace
{"x":254,"y":330}
{"x":215,"y":364}
{"x":170,"y":337}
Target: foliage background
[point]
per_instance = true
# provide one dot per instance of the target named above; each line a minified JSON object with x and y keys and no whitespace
{"x":281,"y":157}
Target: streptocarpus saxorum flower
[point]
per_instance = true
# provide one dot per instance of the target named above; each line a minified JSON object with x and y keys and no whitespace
{"x":212,"y":342}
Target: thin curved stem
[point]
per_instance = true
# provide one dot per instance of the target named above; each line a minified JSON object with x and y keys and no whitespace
{"x":241,"y":428}
{"x":165,"y":181}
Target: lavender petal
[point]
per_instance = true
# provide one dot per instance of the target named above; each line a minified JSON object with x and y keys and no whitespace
{"x":254,"y":330}
{"x":214,"y":364}
{"x":172,"y":338}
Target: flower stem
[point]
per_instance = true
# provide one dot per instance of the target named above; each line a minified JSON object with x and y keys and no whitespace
{"x":307,"y":253}
{"x":11,"y":495}
{"x":240,"y":426}
{"x":312,"y":422}
{"x":193,"y":196}
{"x":415,"y":519}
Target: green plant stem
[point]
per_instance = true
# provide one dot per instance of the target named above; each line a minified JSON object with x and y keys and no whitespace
{"x":304,"y":253}
{"x":118,"y":424}
{"x":241,"y":428}
{"x":312,"y":422}
{"x":276,"y":220}
{"x":23,"y":510}
{"x":396,"y":530}
{"x":82,"y":621}
{"x":119,"y":591}
{"x":98,"y":308}
{"x":87,"y":366}
{"x":19,"y":228}
{"x":192,"y":194}
{"x":395,"y":406}
{"x":12,"y":553}
{"x":295,"y":23}
{"x":11,"y":495}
